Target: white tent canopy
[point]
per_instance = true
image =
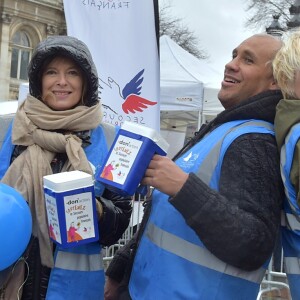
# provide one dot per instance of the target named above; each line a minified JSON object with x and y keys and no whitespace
{"x":188,"y":87}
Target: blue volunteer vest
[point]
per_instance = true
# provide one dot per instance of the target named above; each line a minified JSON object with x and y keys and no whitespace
{"x":78,"y":272}
{"x":171,"y":261}
{"x":291,"y":219}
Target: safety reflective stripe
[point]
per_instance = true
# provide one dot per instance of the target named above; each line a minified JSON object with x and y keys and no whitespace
{"x":283,"y":156}
{"x":283,"y":175}
{"x":109,"y":132}
{"x":292,"y":137}
{"x":197,"y":254}
{"x":286,"y":160}
{"x":292,"y":265}
{"x":209,"y":163}
{"x":259,"y":123}
{"x":79,"y":262}
{"x":291,"y":221}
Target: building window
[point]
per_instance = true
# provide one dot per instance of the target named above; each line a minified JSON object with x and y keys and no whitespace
{"x":20,"y":56}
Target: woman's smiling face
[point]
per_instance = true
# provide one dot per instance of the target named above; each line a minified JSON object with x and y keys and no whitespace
{"x":62,"y":84}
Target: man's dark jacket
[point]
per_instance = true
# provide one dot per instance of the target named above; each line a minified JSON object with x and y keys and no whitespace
{"x":238,"y":224}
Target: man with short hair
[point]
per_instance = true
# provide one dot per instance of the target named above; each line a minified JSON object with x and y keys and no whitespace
{"x":215,"y":211}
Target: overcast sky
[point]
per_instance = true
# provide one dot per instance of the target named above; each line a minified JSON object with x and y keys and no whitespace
{"x":219,"y":25}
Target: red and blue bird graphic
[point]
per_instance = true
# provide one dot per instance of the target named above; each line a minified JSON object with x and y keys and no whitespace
{"x":132,"y":101}
{"x":131,"y":92}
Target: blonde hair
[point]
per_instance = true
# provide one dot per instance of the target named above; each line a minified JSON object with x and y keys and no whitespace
{"x":286,"y":63}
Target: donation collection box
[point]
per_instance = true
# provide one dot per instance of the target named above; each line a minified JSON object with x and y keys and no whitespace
{"x":71,"y":208}
{"x":129,"y":157}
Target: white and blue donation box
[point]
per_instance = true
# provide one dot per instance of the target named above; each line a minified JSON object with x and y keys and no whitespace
{"x":129,"y":157}
{"x":71,"y":208}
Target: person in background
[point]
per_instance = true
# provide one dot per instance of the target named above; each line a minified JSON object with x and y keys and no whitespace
{"x":58,"y":128}
{"x":286,"y":66}
{"x":211,"y":226}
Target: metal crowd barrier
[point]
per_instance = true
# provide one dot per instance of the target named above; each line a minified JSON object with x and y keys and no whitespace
{"x":274,"y":284}
{"x":136,"y":217}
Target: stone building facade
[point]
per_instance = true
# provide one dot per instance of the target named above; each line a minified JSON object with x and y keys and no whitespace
{"x":23,"y":24}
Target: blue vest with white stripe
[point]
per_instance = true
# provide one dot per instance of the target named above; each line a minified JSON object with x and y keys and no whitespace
{"x":78,"y":272}
{"x":291,"y":219}
{"x":171,"y":261}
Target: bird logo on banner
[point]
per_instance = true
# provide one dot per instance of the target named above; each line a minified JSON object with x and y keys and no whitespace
{"x":132,"y":101}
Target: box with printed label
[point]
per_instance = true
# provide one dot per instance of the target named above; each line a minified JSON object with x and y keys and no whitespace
{"x":129,"y":157}
{"x":71,"y":208}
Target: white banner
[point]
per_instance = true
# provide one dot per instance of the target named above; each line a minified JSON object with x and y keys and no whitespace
{"x":122,"y":39}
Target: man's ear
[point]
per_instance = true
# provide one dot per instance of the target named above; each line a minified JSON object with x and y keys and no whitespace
{"x":274,"y":85}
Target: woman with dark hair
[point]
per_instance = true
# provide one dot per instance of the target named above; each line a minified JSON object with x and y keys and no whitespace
{"x":58,"y":128}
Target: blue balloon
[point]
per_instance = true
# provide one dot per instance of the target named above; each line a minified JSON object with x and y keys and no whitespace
{"x":15,"y":225}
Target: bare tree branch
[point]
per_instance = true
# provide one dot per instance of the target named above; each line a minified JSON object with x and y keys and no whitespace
{"x":175,"y":28}
{"x":261,"y":13}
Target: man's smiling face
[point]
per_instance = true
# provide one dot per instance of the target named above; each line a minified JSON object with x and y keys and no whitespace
{"x":250,"y":70}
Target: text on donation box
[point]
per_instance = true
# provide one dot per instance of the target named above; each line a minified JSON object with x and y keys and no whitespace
{"x":78,"y":215}
{"x":121,"y":159}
